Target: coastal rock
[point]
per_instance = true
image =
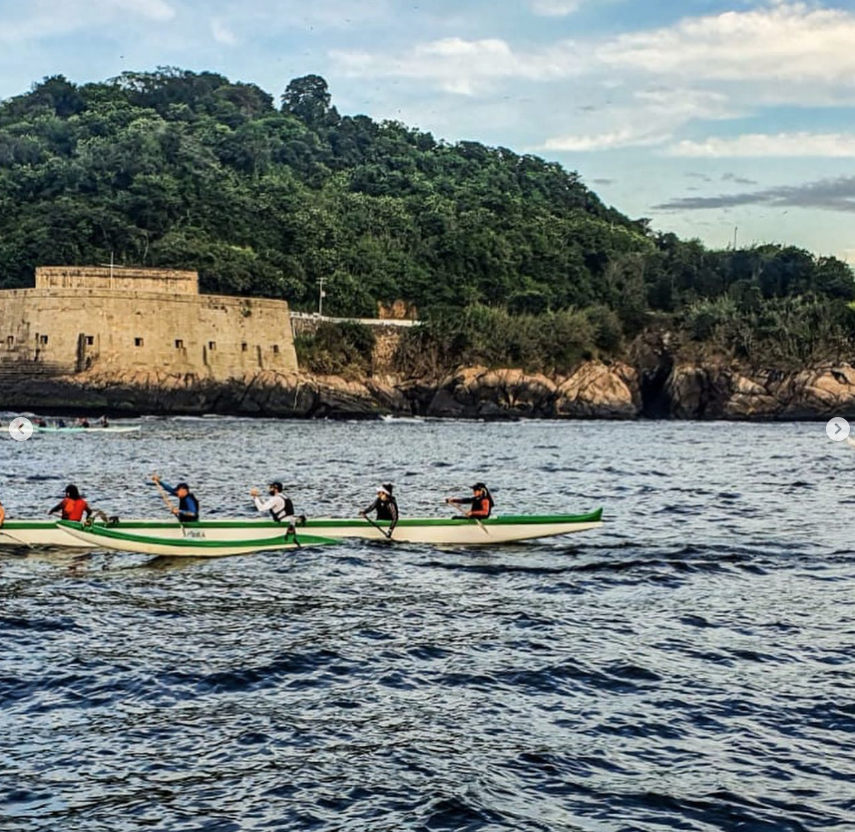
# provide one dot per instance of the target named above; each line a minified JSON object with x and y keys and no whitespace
{"x":478,"y":392}
{"x":688,"y":391}
{"x":750,"y":400}
{"x":821,"y":392}
{"x":715,"y":392}
{"x":602,"y":391}
{"x":693,"y":390}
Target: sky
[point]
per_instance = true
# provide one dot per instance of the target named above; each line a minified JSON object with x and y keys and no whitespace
{"x":713,"y":119}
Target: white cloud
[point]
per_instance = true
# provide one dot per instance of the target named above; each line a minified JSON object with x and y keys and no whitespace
{"x":624,"y":137}
{"x":650,"y":118}
{"x":555,"y":8}
{"x":785,"y":41}
{"x":463,"y":66}
{"x":41,"y":19}
{"x":221,"y":33}
{"x":152,"y":9}
{"x":763,"y":145}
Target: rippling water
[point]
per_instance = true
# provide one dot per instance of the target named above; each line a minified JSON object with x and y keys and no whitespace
{"x":687,"y":667}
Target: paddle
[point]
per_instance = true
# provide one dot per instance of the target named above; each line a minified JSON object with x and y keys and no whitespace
{"x":387,"y":535}
{"x":457,"y":506}
{"x":166,"y":499}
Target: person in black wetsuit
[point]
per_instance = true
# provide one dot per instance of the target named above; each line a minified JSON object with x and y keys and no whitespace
{"x":385,"y":505}
{"x":480,"y":505}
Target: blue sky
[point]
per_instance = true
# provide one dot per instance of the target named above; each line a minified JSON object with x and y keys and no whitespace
{"x":702,"y":115}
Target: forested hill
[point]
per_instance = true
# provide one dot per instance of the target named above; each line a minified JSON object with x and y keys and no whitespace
{"x":175,"y":168}
{"x":264,"y":197}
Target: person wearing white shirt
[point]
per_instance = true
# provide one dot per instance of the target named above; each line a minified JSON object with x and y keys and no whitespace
{"x":280,"y":507}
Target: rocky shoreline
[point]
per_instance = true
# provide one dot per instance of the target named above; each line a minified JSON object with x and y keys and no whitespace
{"x":595,"y":390}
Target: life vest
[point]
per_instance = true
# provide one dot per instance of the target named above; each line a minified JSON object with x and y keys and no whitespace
{"x":189,"y":507}
{"x":483,"y":505}
{"x":284,"y":510}
{"x":387,"y":509}
{"x":74,"y":509}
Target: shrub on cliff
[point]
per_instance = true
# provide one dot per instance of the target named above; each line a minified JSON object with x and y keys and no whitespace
{"x":551,"y":342}
{"x":783,"y":332}
{"x":344,"y":348}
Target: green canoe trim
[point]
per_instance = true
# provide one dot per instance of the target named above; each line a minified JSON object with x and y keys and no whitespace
{"x":183,"y":542}
{"x":330,"y":523}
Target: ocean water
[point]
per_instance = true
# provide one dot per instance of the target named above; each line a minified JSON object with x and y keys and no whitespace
{"x":687,"y":667}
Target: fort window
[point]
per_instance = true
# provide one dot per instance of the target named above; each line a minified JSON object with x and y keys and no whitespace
{"x":244,"y":347}
{"x":276,"y":349}
{"x":10,"y":341}
{"x":43,"y":339}
{"x":179,"y":344}
{"x":212,"y":345}
{"x":90,"y":340}
{"x":138,"y":342}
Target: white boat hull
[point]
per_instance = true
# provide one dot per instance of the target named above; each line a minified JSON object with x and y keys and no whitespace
{"x":46,"y":534}
{"x":106,"y":538}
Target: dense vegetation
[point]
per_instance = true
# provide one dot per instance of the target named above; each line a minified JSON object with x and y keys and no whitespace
{"x":510,"y":258}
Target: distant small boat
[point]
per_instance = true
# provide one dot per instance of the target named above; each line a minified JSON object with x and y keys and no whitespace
{"x":93,"y":429}
{"x":103,"y":537}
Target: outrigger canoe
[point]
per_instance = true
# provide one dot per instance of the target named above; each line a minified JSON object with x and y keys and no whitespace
{"x":105,"y":537}
{"x":439,"y":531}
{"x":96,"y":429}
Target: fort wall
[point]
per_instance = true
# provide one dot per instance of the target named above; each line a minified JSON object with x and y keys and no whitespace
{"x":168,"y":281}
{"x":65,"y":329}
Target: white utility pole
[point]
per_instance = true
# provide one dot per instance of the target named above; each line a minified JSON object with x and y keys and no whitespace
{"x":321,"y":295}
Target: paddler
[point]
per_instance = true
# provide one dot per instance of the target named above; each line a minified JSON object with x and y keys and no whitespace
{"x":480,"y":505}
{"x":279,"y":506}
{"x":2,"y":514}
{"x":385,"y":505}
{"x":72,"y":506}
{"x":188,"y":505}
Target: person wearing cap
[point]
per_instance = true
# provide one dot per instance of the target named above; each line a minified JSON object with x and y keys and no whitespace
{"x":481,"y":503}
{"x":385,"y":505}
{"x":188,"y":505}
{"x":72,"y":506}
{"x":280,"y":507}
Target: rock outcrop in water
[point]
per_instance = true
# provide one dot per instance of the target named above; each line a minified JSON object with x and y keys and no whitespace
{"x":685,"y":390}
{"x":719,"y":392}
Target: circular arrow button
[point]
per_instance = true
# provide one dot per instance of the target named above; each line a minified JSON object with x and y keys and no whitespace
{"x":20,"y":429}
{"x":837,"y":429}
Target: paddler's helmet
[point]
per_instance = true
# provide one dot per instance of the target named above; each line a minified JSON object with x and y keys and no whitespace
{"x":277,"y":486}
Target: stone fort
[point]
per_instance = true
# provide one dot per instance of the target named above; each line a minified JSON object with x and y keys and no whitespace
{"x":117,"y":319}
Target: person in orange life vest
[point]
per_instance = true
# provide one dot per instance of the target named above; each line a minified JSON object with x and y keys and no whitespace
{"x":73,"y":507}
{"x":2,"y":514}
{"x":481,"y":504}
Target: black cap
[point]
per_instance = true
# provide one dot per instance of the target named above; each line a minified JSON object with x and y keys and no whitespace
{"x":479,"y":485}
{"x":277,"y":485}
{"x":182,"y":485}
{"x":388,"y":486}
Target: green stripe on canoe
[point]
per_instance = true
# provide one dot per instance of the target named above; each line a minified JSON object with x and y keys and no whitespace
{"x":185,"y":542}
{"x":337,"y":523}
